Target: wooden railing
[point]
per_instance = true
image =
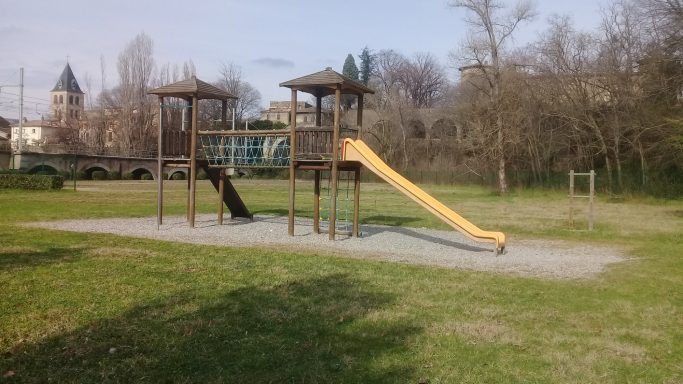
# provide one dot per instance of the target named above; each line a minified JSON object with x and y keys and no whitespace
{"x":176,"y":143}
{"x":316,"y":142}
{"x":313,"y":143}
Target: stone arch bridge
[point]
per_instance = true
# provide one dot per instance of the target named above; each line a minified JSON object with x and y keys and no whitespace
{"x":86,"y":164}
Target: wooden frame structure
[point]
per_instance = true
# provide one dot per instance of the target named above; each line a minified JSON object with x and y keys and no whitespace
{"x":310,"y":148}
{"x":321,"y":84}
{"x":191,"y":90}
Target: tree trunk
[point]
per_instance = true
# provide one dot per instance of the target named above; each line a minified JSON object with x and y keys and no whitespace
{"x":643,"y":164}
{"x":603,"y":149}
{"x":502,"y":180}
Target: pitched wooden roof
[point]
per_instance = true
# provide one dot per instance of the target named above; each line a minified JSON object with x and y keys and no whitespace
{"x":190,"y":87}
{"x":325,"y":82}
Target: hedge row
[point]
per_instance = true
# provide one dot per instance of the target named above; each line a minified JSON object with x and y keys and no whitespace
{"x":25,"y":181}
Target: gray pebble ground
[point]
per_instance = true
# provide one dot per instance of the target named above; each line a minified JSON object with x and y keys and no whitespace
{"x":536,"y":258}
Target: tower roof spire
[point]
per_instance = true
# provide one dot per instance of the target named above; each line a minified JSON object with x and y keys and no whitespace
{"x":67,"y":81}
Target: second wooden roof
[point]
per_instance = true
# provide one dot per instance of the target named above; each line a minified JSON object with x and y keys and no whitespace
{"x":325,"y":82}
{"x":190,"y":87}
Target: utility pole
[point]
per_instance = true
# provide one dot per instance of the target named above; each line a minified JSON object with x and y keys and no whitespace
{"x":21,"y":115}
{"x":21,"y":109}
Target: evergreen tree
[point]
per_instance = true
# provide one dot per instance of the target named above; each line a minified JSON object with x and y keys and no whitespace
{"x":366,"y":65}
{"x":350,"y":69}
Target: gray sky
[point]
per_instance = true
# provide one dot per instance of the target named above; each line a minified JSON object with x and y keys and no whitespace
{"x":271,"y":40}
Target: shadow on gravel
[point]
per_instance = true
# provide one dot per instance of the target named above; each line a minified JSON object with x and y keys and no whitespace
{"x":314,"y":330}
{"x":369,"y":231}
{"x":389,"y":220}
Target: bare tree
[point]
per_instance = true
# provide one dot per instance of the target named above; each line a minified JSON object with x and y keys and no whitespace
{"x":391,"y":103}
{"x":136,"y":68}
{"x":490,"y":29}
{"x":248,"y":103}
{"x":423,"y":80}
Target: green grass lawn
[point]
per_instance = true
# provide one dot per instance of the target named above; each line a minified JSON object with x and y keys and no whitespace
{"x":102,"y":308}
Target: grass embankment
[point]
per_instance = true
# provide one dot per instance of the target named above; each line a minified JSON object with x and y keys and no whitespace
{"x":101,"y":308}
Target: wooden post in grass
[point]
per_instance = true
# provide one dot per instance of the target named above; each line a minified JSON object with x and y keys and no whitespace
{"x":590,"y":197}
{"x":356,"y":201}
{"x":193,"y":160}
{"x":292,"y":165}
{"x":160,"y":165}
{"x":335,"y":162}
{"x":591,"y":200}
{"x":221,"y":194}
{"x":571,"y":198}
{"x":316,"y":202}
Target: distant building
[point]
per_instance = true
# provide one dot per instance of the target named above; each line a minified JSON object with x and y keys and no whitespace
{"x":5,"y":129}
{"x":42,"y":132}
{"x":67,"y":99}
{"x":66,"y":104}
{"x":281,"y":111}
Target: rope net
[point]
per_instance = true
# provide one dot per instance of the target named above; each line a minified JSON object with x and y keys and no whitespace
{"x":247,"y":151}
{"x":345,"y":186}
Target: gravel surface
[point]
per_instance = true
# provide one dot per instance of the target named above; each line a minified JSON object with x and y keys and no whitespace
{"x":537,"y":258}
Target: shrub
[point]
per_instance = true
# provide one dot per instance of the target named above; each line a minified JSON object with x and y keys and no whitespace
{"x":178,"y":176}
{"x":114,"y":175}
{"x":80,"y":175}
{"x":146,"y":176}
{"x":99,"y":175}
{"x":128,"y":176}
{"x":201,"y":175}
{"x":35,"y":182}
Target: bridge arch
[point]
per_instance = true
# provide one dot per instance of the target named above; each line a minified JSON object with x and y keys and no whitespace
{"x":177,"y":174}
{"x":48,"y":168}
{"x":88,"y":169}
{"x":416,"y":129}
{"x":137,"y":170}
{"x":444,"y":128}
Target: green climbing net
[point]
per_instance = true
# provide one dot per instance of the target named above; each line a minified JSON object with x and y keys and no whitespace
{"x":246,"y":151}
{"x":345,"y":187}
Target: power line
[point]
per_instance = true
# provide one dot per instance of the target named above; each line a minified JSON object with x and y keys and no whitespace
{"x":25,"y":97}
{"x":10,"y":76}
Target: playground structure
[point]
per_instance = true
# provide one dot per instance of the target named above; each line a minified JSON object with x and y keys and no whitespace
{"x":325,"y":150}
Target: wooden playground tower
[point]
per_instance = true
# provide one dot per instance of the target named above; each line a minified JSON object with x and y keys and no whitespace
{"x":315,"y":148}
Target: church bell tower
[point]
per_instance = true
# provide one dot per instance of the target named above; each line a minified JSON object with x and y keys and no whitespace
{"x":66,"y":97}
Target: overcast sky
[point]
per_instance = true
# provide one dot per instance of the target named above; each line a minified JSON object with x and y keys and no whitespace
{"x":271,"y":40}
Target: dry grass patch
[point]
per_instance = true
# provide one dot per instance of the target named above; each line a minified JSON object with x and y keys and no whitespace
{"x":478,"y":331}
{"x":114,"y":252}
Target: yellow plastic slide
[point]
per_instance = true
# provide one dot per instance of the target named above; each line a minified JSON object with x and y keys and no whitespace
{"x":357,"y":150}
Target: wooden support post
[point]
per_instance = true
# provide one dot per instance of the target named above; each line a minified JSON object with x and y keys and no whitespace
{"x":359,"y":117}
{"x":221,"y":194}
{"x":591,"y":200}
{"x":356,"y":203}
{"x":160,"y":165}
{"x":292,"y":164}
{"x":187,"y":203}
{"x":193,"y":161}
{"x":571,"y":198}
{"x":185,"y":143}
{"x":335,"y":163}
{"x":318,"y":111}
{"x":316,"y":202}
{"x":224,"y":115}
